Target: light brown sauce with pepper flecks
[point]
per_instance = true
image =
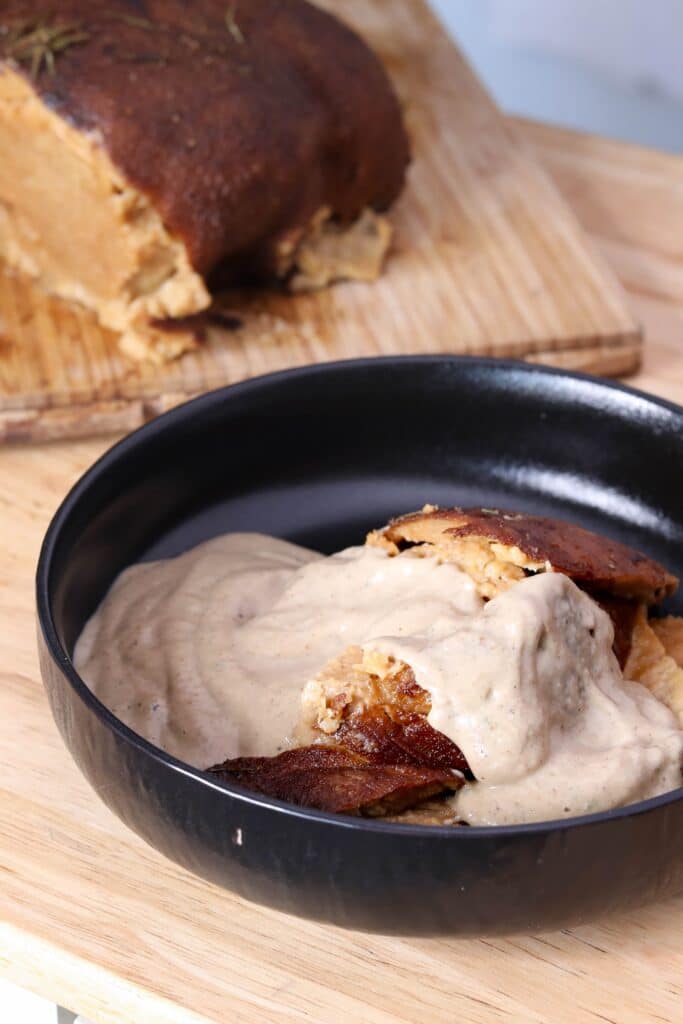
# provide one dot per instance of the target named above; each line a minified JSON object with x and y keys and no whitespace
{"x":206,"y":655}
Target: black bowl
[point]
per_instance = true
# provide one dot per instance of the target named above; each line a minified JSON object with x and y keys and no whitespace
{"x":318,"y":456}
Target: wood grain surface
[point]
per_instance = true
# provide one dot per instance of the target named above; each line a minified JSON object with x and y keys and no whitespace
{"x":93,"y":918}
{"x":487,"y":259}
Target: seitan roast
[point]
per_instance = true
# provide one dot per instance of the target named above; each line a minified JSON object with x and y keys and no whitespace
{"x":152,"y":149}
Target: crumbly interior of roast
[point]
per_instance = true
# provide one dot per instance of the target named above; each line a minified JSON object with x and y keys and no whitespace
{"x":656,"y":658}
{"x":329,"y":252}
{"x":494,"y":567}
{"x":355,"y":681}
{"x":69,"y":220}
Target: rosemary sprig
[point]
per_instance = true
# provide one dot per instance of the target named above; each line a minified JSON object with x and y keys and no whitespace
{"x":37,"y":43}
{"x":232,"y":26}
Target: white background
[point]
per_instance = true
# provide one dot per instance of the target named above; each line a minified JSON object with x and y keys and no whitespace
{"x":18,"y":1007}
{"x":614,"y":67}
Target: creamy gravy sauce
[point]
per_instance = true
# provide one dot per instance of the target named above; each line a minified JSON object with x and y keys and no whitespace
{"x":206,"y":655}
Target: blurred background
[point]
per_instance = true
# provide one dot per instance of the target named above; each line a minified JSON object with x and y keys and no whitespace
{"x":609,"y":66}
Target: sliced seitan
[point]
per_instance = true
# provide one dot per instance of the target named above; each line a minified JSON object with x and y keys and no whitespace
{"x":337,"y":779}
{"x":366,"y":746}
{"x":498,"y":548}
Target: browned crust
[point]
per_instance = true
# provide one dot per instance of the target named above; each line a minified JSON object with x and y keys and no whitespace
{"x":238,"y":121}
{"x":337,"y":780}
{"x":408,"y":740}
{"x":529,"y":543}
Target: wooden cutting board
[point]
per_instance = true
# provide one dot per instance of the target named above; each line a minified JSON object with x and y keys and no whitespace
{"x":487,"y":259}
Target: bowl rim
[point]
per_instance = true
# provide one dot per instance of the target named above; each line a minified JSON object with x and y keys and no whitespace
{"x":196,"y":406}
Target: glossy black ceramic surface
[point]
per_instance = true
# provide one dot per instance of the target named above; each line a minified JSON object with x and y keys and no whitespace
{"x":318,"y":456}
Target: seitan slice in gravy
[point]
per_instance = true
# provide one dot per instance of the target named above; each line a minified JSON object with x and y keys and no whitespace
{"x":336,"y":779}
{"x":354,"y":682}
{"x":365,"y":743}
{"x":366,"y":746}
{"x":372,"y":704}
{"x":498,"y":548}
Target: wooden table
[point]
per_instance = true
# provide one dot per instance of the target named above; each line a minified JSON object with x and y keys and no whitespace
{"x":96,"y":920}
